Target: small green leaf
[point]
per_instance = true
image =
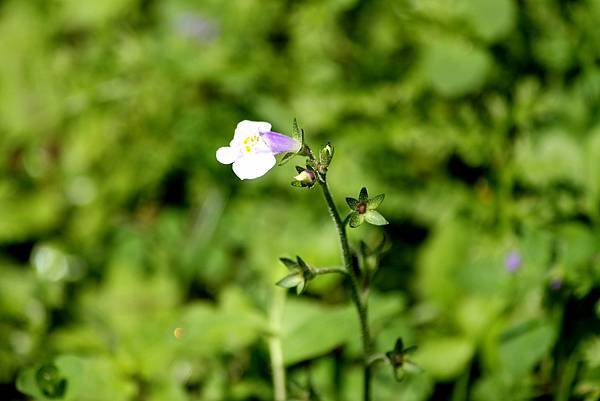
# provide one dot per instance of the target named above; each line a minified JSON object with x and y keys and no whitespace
{"x":289,"y":263}
{"x":375,"y":218}
{"x":374,"y":202}
{"x":291,"y":280}
{"x":352,"y":203}
{"x":356,"y":219}
{"x":364,"y":195}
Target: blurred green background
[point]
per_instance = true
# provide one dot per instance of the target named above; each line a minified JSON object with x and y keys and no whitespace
{"x":479,"y":119}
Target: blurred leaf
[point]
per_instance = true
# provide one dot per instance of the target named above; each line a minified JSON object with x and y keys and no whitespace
{"x":555,"y":158}
{"x":454,"y":67}
{"x":311,"y":329}
{"x":520,"y":351}
{"x":84,"y":379}
{"x":93,"y":13}
{"x":444,"y":357}
{"x":491,"y":20}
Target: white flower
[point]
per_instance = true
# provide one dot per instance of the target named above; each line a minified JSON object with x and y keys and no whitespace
{"x":253,"y":148}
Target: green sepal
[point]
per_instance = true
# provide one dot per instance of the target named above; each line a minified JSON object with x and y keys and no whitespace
{"x":364,"y":195}
{"x":352,"y":203}
{"x":401,"y":364}
{"x":374,"y":202}
{"x":375,"y":218}
{"x":291,"y":280}
{"x":289,"y":263}
{"x":286,"y":158}
{"x":356,"y":219}
{"x":399,"y":373}
{"x":301,"y":263}
{"x":300,"y":287}
{"x":297,"y":133}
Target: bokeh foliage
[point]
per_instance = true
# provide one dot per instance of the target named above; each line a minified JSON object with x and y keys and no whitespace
{"x":478,"y":119}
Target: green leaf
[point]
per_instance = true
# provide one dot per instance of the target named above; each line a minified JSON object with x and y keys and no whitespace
{"x":72,"y":377}
{"x":374,"y":202}
{"x":491,"y":20}
{"x":311,"y":329}
{"x":375,"y":218}
{"x":356,"y":219}
{"x":289,"y":263}
{"x":364,"y":195}
{"x":445,"y":357}
{"x":455,"y":67}
{"x":291,"y":280}
{"x":521,"y":351}
{"x":352,"y":203}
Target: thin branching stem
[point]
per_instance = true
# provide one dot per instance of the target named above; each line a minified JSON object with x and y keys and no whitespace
{"x":355,"y":292}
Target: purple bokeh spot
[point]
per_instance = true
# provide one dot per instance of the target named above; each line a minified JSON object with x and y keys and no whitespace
{"x":512,"y":262}
{"x":196,"y":26}
{"x":556,"y":284}
{"x":279,"y":143}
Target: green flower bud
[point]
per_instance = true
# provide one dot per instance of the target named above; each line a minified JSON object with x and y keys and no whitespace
{"x":325,"y":157}
{"x":300,"y":274}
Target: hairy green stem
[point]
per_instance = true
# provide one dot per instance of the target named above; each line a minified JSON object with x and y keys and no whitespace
{"x":355,"y":293}
{"x":275,"y":348}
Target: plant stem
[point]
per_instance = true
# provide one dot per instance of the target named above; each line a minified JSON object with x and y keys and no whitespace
{"x":326,"y":270}
{"x":275,"y":349}
{"x":355,"y":293}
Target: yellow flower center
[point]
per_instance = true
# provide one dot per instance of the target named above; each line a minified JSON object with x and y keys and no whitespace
{"x":250,"y":142}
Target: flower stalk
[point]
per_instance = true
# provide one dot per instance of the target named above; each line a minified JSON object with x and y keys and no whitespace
{"x":359,"y":300}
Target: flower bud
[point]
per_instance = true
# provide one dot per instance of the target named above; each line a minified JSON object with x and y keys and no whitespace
{"x":326,"y":155}
{"x":305,"y":178}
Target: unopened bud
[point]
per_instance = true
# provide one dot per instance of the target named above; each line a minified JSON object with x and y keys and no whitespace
{"x":305,"y":178}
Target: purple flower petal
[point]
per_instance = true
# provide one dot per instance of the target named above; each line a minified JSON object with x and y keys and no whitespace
{"x":279,"y":143}
{"x":512,"y":261}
